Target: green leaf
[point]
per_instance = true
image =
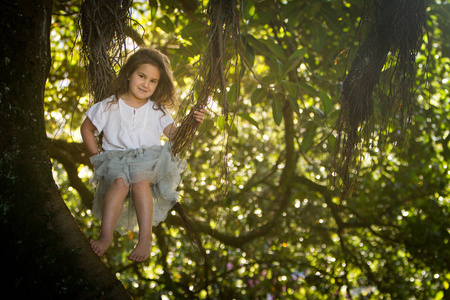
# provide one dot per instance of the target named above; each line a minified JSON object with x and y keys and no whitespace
{"x":309,"y":89}
{"x":181,"y":71}
{"x":249,"y":54}
{"x":287,"y":67}
{"x":275,"y":49}
{"x":300,"y":53}
{"x":439,"y":295}
{"x":258,"y":95}
{"x":331,"y":142}
{"x":249,"y":9}
{"x":259,"y":47}
{"x":249,"y":119}
{"x":291,"y":88}
{"x":326,"y":102}
{"x":165,"y":24}
{"x":277,"y":111}
{"x":293,"y":61}
{"x":221,"y":122}
{"x":153,"y":8}
{"x":308,"y":137}
{"x":232,"y":94}
{"x":317,"y":36}
{"x":192,"y":30}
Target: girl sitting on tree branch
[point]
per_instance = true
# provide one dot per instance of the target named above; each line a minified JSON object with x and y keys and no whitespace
{"x":133,"y":160}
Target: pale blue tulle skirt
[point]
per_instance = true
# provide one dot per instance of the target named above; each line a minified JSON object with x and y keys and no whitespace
{"x":154,"y":164}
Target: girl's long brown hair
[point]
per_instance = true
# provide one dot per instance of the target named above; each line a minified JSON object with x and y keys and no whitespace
{"x":165,"y":93}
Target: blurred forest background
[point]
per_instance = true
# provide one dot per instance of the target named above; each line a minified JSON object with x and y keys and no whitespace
{"x":259,"y":185}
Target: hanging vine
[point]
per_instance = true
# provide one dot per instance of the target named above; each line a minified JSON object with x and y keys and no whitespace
{"x":223,"y":34}
{"x":385,"y":67}
{"x":102,"y":29}
{"x":223,"y":30}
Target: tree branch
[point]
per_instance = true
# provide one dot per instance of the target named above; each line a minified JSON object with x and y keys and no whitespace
{"x":71,"y":155}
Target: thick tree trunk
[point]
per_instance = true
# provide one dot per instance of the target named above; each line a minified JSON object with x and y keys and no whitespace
{"x":44,"y":254}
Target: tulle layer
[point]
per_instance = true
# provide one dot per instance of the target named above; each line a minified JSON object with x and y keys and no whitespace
{"x":154,"y":164}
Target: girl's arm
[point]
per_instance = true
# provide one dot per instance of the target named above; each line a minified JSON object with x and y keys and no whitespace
{"x":88,"y":134}
{"x":171,"y":129}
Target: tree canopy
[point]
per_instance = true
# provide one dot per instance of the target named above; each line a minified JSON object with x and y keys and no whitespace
{"x":259,"y":185}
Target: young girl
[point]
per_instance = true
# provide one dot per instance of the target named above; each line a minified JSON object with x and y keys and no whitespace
{"x":133,"y":160}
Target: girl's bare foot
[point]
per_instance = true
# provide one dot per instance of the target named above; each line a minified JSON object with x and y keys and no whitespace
{"x":142,"y":251}
{"x":100,"y":246}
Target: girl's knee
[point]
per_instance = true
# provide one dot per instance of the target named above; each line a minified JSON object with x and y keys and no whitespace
{"x":141,"y":185}
{"x":120,"y":183}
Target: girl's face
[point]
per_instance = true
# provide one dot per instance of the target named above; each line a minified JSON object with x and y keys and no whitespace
{"x":143,"y":82}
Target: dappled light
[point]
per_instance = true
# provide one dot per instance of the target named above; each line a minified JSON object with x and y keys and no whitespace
{"x":261,"y":188}
{"x":270,"y":222}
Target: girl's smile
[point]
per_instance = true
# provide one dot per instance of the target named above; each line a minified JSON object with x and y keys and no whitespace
{"x":142,"y":84}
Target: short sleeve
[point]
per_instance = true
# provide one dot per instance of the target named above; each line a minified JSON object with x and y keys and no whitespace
{"x":96,"y":114}
{"x":165,"y":120}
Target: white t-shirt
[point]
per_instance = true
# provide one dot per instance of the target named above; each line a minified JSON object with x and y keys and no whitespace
{"x":125,"y":127}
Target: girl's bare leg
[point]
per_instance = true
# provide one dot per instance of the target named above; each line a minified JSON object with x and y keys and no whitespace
{"x":143,"y":201}
{"x":114,"y":199}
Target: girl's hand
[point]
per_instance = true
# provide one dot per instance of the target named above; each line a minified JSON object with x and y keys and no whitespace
{"x":199,"y":115}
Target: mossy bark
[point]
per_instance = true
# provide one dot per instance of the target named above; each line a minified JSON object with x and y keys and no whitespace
{"x":44,"y":254}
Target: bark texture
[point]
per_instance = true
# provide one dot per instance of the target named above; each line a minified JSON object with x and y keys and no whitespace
{"x":44,"y":254}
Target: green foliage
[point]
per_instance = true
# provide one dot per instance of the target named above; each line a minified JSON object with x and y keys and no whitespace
{"x":277,"y":233}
